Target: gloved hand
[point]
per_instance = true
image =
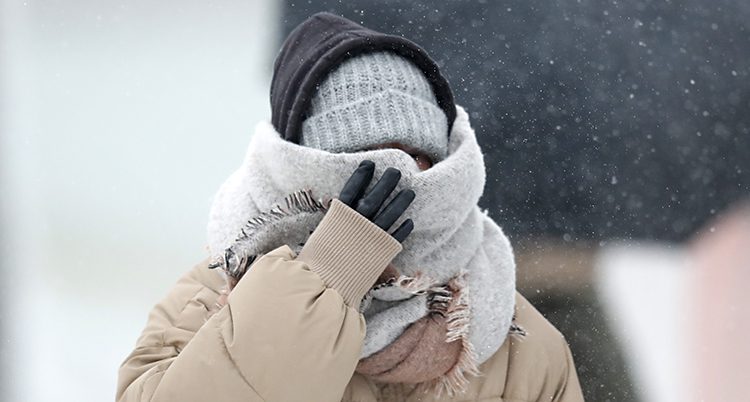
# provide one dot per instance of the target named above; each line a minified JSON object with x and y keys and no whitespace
{"x":369,"y":204}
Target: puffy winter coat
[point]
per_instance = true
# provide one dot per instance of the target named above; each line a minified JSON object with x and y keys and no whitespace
{"x":289,"y":332}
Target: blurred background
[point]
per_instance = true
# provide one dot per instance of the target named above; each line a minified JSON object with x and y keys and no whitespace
{"x":616,"y":138}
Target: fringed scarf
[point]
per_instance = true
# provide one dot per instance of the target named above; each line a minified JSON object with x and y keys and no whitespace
{"x":445,"y":303}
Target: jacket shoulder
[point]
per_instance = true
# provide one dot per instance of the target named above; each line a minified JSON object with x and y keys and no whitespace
{"x":540,"y":365}
{"x":538,"y":334}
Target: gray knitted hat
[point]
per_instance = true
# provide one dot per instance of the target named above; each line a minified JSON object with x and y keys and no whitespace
{"x":376,"y":98}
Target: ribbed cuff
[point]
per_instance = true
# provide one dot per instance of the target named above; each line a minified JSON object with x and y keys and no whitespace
{"x":348,"y":128}
{"x":348,"y":251}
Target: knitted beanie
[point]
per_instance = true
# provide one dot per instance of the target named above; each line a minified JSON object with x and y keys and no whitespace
{"x":374,"y":98}
{"x":320,"y":45}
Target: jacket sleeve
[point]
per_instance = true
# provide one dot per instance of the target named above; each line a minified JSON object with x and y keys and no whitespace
{"x":290,"y":331}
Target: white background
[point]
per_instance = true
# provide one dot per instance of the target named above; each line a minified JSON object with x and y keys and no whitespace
{"x":118,"y":122}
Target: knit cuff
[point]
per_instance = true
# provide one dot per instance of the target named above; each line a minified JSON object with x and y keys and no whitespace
{"x":388,"y":116}
{"x":348,"y":251}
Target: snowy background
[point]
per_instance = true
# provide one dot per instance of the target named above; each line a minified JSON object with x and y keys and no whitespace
{"x":599,"y":119}
{"x":616,"y":137}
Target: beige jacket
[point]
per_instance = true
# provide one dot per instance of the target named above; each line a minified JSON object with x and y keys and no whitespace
{"x":291,"y":332}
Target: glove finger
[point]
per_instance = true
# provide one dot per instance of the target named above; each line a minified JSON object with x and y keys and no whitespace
{"x":357,"y":183}
{"x":370,"y":204}
{"x":394,"y":209}
{"x":403,"y":231}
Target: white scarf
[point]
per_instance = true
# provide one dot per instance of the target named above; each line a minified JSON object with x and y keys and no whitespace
{"x":451,"y":234}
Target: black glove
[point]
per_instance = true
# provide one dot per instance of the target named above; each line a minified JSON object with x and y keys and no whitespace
{"x":368,"y":205}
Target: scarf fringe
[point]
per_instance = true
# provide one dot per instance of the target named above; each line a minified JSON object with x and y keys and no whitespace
{"x":458,"y":319}
{"x":417,"y":284}
{"x":451,"y":301}
{"x":516,"y":329}
{"x":235,"y":260}
{"x":414,"y":285}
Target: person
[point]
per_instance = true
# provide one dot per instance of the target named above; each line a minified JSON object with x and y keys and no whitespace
{"x":349,"y":260}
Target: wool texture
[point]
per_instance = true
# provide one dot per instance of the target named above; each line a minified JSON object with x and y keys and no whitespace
{"x":318,"y":46}
{"x":354,"y":107}
{"x":452,"y":237}
{"x":434,"y":351}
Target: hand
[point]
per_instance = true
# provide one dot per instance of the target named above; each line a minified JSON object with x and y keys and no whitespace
{"x":368,"y":205}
